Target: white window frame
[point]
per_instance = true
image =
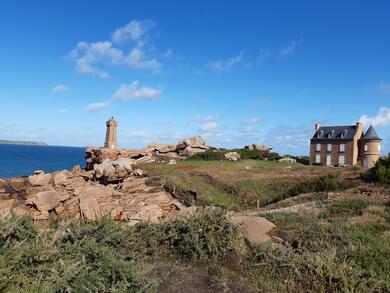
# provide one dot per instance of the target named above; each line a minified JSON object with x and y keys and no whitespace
{"x":342,"y":147}
{"x":318,"y":159}
{"x":318,"y":147}
{"x":328,"y":160}
{"x":341,"y":160}
{"x":329,"y":147}
{"x":379,"y":147}
{"x":366,"y":147}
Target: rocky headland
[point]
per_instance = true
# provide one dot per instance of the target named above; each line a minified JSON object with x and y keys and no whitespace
{"x":111,"y":184}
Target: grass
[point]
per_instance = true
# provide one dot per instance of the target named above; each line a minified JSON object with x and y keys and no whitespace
{"x":326,"y":253}
{"x":103,"y":256}
{"x":239,"y":185}
{"x":312,"y":253}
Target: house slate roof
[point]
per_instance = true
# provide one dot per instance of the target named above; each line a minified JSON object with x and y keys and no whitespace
{"x":335,"y":133}
{"x":371,"y":134}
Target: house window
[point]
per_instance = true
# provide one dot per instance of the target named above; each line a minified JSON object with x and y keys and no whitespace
{"x":318,"y":159}
{"x":328,"y":160}
{"x":366,"y":147}
{"x":379,"y":147}
{"x":329,"y":147}
{"x":342,"y":147}
{"x":318,"y":147}
{"x":341,"y":160}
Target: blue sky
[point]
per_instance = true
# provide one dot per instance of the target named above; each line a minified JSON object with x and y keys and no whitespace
{"x":236,"y":72}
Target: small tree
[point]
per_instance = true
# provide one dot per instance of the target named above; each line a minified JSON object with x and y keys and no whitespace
{"x":382,"y":170}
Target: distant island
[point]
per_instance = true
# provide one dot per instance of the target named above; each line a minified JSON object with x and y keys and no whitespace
{"x":22,"y":142}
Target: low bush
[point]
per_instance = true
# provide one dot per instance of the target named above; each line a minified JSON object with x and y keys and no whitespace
{"x":326,"y":183}
{"x":207,"y":235}
{"x":347,"y":208}
{"x":246,"y":154}
{"x":382,"y":170}
{"x":208,"y":155}
{"x":104,"y":256}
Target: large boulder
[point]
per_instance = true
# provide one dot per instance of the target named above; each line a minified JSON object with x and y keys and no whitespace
{"x":258,"y":147}
{"x":89,"y":206}
{"x":113,"y":170}
{"x":254,"y":229}
{"x":287,"y":160}
{"x":61,"y":176}
{"x":190,"y":151}
{"x":47,"y":200}
{"x":163,"y":148}
{"x":194,"y":141}
{"x":40,"y":179}
{"x":232,"y":156}
{"x":6,"y":206}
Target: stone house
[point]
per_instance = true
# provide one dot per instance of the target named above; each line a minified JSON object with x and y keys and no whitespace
{"x":345,"y":146}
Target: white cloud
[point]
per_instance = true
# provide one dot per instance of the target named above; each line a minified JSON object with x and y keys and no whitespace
{"x":207,"y":126}
{"x":85,"y":54}
{"x":139,"y":133}
{"x":210,"y":118}
{"x":253,"y":121}
{"x":62,"y":110}
{"x":136,"y":60}
{"x":382,"y":118}
{"x":60,"y":88}
{"x":290,"y":49}
{"x":168,"y":54}
{"x":134,"y":30}
{"x":383,"y":89}
{"x":97,"y":106}
{"x":89,"y":57}
{"x":134,"y":92}
{"x":224,"y":65}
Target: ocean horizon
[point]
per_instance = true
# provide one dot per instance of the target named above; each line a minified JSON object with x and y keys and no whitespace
{"x":22,"y":160}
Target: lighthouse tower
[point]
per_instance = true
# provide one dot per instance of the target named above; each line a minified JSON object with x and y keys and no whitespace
{"x":111,"y":141}
{"x":371,"y":148}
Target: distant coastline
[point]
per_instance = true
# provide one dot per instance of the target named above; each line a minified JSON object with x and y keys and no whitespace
{"x":23,"y":142}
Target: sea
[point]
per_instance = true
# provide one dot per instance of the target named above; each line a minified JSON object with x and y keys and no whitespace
{"x":23,"y":160}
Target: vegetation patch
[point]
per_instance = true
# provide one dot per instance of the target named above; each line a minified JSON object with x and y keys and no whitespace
{"x":381,"y":172}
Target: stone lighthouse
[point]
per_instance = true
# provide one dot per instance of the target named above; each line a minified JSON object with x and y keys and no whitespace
{"x":370,"y":148}
{"x":111,"y":141}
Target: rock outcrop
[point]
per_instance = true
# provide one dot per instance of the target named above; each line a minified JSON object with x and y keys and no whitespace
{"x":113,"y":188}
{"x":258,"y":147}
{"x":232,"y":156}
{"x":287,"y":160}
{"x":255,"y":229}
{"x":155,"y":152}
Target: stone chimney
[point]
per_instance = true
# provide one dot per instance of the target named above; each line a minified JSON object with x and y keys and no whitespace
{"x":317,"y":126}
{"x":359,"y":126}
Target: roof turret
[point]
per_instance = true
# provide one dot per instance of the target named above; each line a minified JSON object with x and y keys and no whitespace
{"x":371,"y":134}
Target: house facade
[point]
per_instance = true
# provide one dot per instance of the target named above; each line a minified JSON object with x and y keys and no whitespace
{"x":345,"y":146}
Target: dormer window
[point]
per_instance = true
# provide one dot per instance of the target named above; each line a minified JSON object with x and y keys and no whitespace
{"x":344,"y":133}
{"x":331,"y":133}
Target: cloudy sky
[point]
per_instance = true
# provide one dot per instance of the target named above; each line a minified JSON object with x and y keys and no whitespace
{"x":236,"y":73}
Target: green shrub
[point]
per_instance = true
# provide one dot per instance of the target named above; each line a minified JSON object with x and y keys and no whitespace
{"x":353,"y":207}
{"x":381,"y":172}
{"x":104,"y":256}
{"x":207,"y":235}
{"x":246,"y":154}
{"x":326,"y":183}
{"x":208,"y":155}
